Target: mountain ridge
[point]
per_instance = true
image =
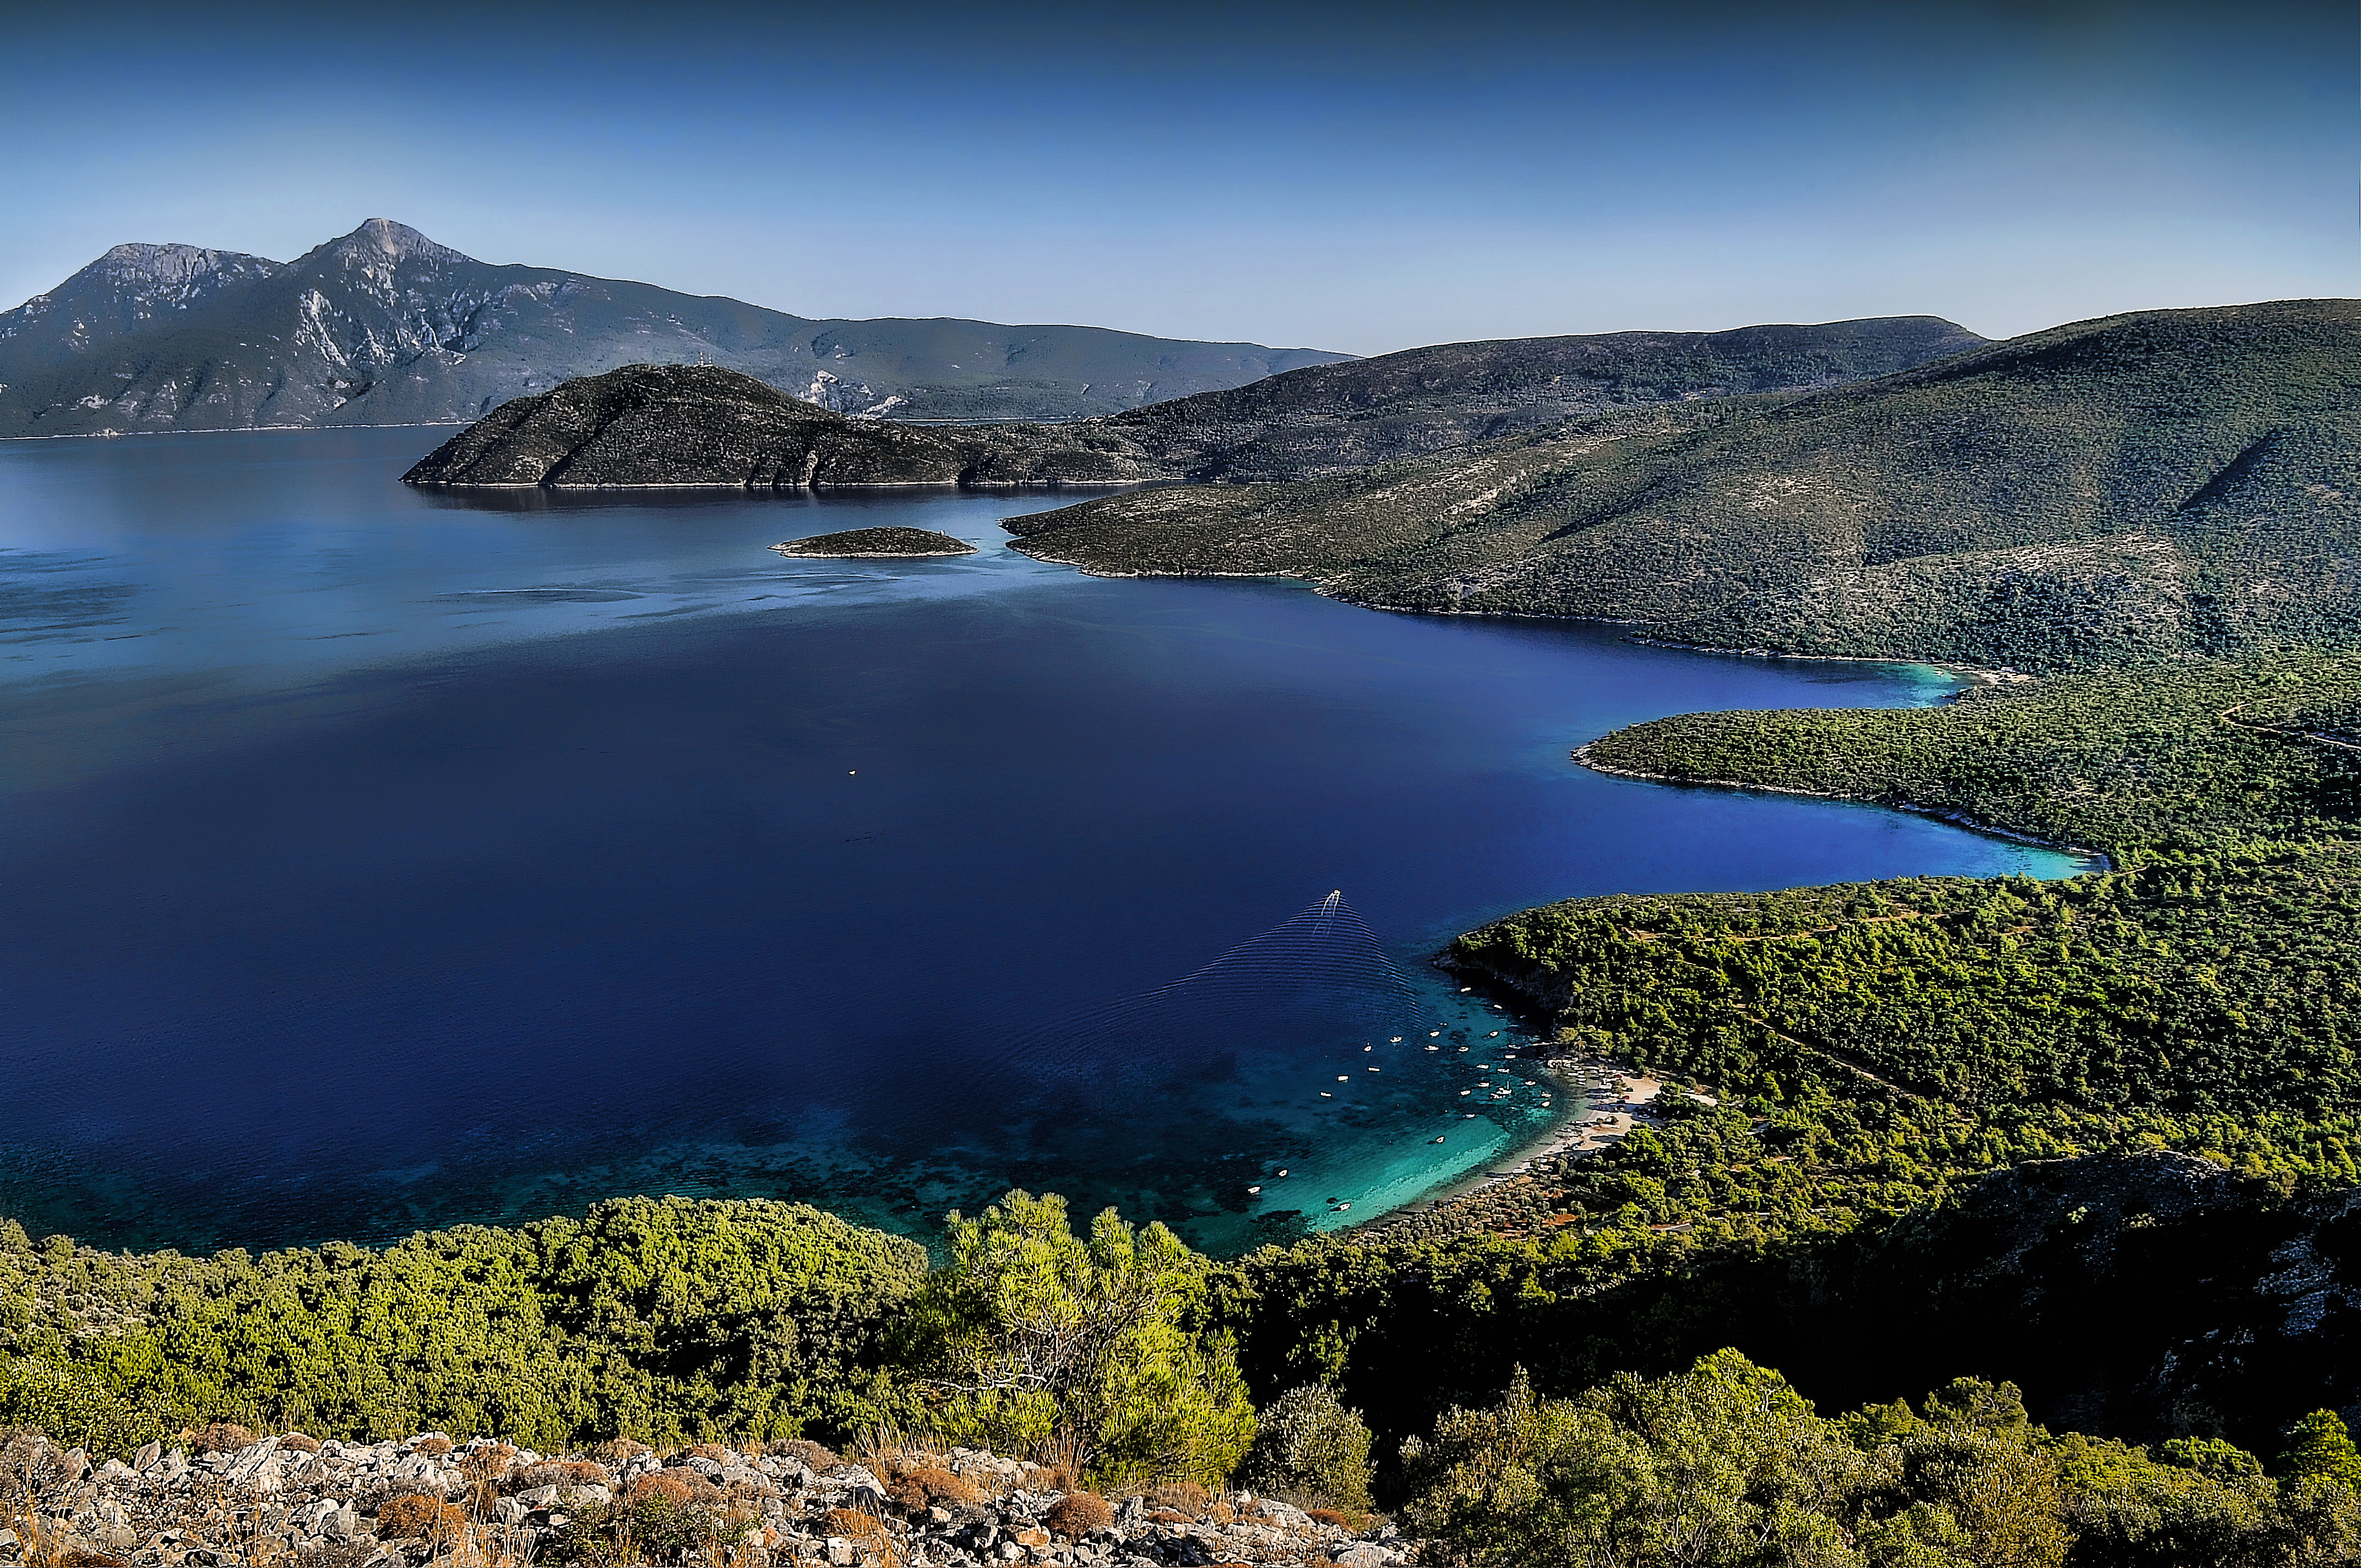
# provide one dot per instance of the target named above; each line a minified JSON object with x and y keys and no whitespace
{"x":384,"y":325}
{"x":1311,"y":422}
{"x":2151,"y":485}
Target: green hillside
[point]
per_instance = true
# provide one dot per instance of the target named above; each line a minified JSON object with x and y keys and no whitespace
{"x":2218,"y":966}
{"x":2162,"y":485}
{"x":1334,"y":419}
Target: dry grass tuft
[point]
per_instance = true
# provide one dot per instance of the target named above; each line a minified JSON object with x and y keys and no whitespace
{"x":219,"y":1437}
{"x":811,"y":1456}
{"x":619,"y":1450}
{"x":433,"y":1447}
{"x":671,"y":1486}
{"x":865,"y":1530}
{"x":1181,"y":1497}
{"x":414,"y":1515}
{"x":918,"y":1488}
{"x":300,"y":1443}
{"x":1077,"y":1513}
{"x":713,"y":1452}
{"x":1046,"y":1478}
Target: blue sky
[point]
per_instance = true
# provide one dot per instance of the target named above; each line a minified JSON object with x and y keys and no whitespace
{"x":1355,"y":178}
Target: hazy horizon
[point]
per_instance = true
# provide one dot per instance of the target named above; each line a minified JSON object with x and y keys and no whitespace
{"x":1302,"y":177}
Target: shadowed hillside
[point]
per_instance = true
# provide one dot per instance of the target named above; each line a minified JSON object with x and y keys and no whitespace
{"x":2157,"y":485}
{"x":686,"y":424}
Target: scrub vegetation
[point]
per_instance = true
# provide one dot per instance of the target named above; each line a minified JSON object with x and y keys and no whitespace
{"x":2163,"y":484}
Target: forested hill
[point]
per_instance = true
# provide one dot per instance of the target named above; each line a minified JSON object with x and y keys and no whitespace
{"x":1333,"y":419}
{"x":2142,"y":765}
{"x":716,"y":428}
{"x":1877,"y":1049}
{"x":2217,"y":968}
{"x":2158,"y":485}
{"x":703,"y":425}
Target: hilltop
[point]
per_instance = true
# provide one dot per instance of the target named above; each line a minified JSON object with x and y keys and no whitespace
{"x":1302,"y":422}
{"x":1333,"y":419}
{"x":687,"y":424}
{"x":385,"y":326}
{"x":2155,"y":484}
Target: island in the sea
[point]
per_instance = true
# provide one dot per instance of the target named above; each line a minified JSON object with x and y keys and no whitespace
{"x":868,"y":544}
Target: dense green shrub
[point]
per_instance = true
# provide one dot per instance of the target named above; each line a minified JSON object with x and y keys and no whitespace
{"x":1725,"y":1463}
{"x":650,"y":1528}
{"x":1030,"y":1338}
{"x":1312,"y":1451}
{"x":77,"y":1406}
{"x":665,"y":1319}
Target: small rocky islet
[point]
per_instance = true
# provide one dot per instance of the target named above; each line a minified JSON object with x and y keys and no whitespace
{"x":225,"y":1501}
{"x":868,"y":544}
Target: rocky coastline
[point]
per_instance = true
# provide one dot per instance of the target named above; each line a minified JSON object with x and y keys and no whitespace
{"x":224,"y":1498}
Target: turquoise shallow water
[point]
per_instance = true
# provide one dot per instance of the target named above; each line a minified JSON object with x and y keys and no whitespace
{"x":378,"y":859}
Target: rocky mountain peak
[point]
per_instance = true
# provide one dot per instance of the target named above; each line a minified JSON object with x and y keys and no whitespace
{"x":173,"y":266}
{"x":165,"y":274}
{"x":381,"y":239}
{"x":129,"y":287}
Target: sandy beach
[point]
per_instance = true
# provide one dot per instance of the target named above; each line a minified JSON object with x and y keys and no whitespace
{"x":1611,"y":1096}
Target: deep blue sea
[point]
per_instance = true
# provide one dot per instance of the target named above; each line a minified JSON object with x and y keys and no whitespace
{"x":372,"y":859}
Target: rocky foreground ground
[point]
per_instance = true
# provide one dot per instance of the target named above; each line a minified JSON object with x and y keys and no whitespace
{"x":225,"y":1498}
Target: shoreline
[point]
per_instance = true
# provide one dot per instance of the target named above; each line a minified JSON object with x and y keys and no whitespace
{"x":1975,"y":674}
{"x":2100,"y":862}
{"x":1575,"y":1133}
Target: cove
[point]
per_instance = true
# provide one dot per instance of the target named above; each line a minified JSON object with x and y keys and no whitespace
{"x":378,"y":861}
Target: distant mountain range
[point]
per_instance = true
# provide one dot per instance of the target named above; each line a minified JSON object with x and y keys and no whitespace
{"x":636,"y":426}
{"x":384,"y":326}
{"x":2162,"y":485}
